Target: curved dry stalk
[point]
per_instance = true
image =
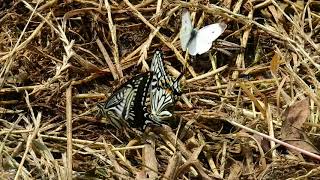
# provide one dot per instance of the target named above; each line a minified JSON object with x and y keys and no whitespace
{"x":275,"y":140}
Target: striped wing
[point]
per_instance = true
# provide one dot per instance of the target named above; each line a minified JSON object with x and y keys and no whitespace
{"x":126,"y":106}
{"x":161,"y":90}
{"x":161,"y":99}
{"x":160,"y":78}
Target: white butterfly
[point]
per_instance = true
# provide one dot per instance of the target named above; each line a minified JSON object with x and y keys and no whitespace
{"x":198,"y":42}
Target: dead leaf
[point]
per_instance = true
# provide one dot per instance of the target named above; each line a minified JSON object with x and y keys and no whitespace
{"x":303,"y":145}
{"x":294,"y":117}
{"x":274,"y":64}
{"x":235,"y":170}
{"x":264,"y":143}
{"x":291,"y":130}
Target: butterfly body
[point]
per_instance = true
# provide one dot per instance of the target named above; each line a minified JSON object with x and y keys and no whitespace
{"x":139,"y":108}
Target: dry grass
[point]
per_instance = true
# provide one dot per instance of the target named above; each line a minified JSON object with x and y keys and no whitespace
{"x":59,"y":58}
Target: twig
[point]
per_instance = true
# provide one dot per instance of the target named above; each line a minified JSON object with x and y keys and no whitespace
{"x":145,"y":48}
{"x":149,"y":159}
{"x":271,"y":130}
{"x":90,"y":96}
{"x":173,"y":166}
{"x":223,"y":159}
{"x":113,"y":32}
{"x":69,"y":131}
{"x":159,"y":3}
{"x":86,"y":142}
{"x":107,"y":59}
{"x":274,"y":139}
{"x":36,"y":124}
{"x":211,"y":73}
{"x":237,"y":84}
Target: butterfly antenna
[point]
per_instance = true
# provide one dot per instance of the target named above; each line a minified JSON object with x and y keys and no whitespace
{"x":181,"y":75}
{"x":175,"y":84}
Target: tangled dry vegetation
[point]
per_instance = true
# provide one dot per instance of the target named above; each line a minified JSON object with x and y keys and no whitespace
{"x":59,"y":58}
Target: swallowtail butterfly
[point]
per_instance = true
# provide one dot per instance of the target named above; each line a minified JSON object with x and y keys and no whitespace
{"x":162,"y":90}
{"x":126,"y":106}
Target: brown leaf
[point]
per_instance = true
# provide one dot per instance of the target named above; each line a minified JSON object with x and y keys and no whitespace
{"x":303,"y":145}
{"x":294,"y":117}
{"x":235,"y":170}
{"x":264,"y":143}
{"x":274,"y":64}
{"x":291,"y":131}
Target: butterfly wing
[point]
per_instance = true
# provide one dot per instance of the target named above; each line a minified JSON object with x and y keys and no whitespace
{"x":160,"y":78}
{"x":161,"y":90}
{"x":203,"y":39}
{"x":118,"y":104}
{"x":186,"y":29}
{"x":161,"y":99}
{"x":127,"y":102}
